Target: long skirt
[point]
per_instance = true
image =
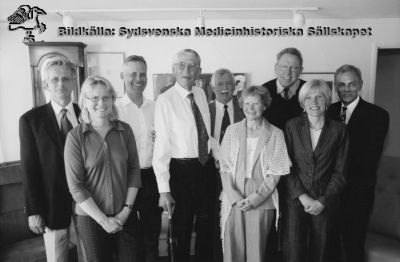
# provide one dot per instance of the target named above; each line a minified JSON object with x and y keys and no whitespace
{"x":245,"y":236}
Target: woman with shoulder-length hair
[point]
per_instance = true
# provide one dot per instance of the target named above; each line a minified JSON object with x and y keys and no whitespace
{"x":317,"y":146}
{"x":103,"y":175}
{"x":253,"y":157}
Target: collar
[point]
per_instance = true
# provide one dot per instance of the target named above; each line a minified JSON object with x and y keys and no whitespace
{"x":352,"y":105}
{"x":182,"y":91}
{"x":125,"y":100}
{"x":220,"y":106}
{"x":57,"y":108}
{"x":114,"y":125}
{"x":292,"y":88}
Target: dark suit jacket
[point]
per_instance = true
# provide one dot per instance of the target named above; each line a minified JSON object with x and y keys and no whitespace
{"x":320,"y":173}
{"x":43,"y":172}
{"x":237,"y":112}
{"x":367,"y":127}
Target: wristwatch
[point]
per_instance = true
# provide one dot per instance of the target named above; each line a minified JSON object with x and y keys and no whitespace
{"x":128,"y":206}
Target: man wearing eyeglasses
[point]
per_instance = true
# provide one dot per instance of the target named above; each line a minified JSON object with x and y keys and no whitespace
{"x":285,"y":105}
{"x":138,"y":111}
{"x":285,"y":88}
{"x":181,"y":157}
{"x":42,"y":133}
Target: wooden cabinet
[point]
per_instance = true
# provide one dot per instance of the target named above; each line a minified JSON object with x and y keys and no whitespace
{"x":41,"y":51}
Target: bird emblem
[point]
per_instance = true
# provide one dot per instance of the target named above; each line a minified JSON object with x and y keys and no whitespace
{"x":27,"y":18}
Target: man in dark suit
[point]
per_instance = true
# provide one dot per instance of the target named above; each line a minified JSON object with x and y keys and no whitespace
{"x":223,"y":85}
{"x":367,"y":125}
{"x":42,"y":132}
{"x":285,"y":88}
{"x":224,"y":110}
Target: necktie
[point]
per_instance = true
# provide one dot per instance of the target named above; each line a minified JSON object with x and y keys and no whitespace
{"x":286,"y":93}
{"x":65,"y":125}
{"x":225,"y":123}
{"x":343,"y":115}
{"x":202,"y":136}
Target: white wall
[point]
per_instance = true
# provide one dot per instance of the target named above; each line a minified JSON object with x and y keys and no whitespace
{"x":388,"y":96}
{"x":253,"y":55}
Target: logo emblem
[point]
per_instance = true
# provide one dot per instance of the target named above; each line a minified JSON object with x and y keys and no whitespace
{"x":27,"y":18}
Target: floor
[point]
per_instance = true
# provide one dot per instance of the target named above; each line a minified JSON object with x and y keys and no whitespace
{"x":272,"y":259}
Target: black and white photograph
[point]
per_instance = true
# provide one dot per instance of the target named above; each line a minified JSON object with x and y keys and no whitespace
{"x":200,"y":131}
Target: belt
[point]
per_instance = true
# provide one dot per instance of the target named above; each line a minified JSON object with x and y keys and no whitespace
{"x":193,"y":159}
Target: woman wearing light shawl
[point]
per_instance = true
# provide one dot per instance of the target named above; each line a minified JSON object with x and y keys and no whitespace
{"x":253,"y":156}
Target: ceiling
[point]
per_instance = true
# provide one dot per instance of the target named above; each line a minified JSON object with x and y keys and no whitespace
{"x":328,"y":9}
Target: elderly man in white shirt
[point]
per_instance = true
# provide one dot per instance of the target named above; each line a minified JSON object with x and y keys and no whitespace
{"x":181,"y":160}
{"x":138,"y":111}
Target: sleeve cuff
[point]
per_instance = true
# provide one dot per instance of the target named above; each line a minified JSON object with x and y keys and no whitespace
{"x":255,"y":200}
{"x":135,"y":181}
{"x":163,"y":187}
{"x":81,"y":196}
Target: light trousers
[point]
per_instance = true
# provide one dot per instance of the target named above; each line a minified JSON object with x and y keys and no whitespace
{"x":57,"y":244}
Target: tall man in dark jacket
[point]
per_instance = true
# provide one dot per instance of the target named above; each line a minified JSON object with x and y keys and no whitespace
{"x":285,"y":104}
{"x":367,"y":125}
{"x":285,"y":88}
{"x":42,"y":133}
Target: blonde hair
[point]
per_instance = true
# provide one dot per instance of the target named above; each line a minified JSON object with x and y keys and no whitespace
{"x":315,"y":84}
{"x":90,"y":83}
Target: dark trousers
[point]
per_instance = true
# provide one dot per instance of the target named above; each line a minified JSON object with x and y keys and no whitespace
{"x":306,"y":237}
{"x":192,"y":187}
{"x":356,"y":208}
{"x":149,"y":216}
{"x":103,"y":247}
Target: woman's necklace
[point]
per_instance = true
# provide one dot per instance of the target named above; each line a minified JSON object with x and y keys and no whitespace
{"x":101,"y":127}
{"x":318,"y":128}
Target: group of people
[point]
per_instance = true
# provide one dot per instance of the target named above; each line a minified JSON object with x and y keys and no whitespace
{"x":279,"y":164}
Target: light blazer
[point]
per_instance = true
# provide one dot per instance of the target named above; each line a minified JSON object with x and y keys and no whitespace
{"x":270,"y":158}
{"x":43,"y":172}
{"x":237,"y":112}
{"x":367,"y":127}
{"x":320,"y":173}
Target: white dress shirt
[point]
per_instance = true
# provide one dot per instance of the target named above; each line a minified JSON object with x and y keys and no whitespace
{"x":315,"y":134}
{"x":219,"y":115}
{"x":141,"y":121}
{"x":350,"y":108}
{"x":70,"y":113}
{"x":176,"y":133}
{"x":292,"y":90}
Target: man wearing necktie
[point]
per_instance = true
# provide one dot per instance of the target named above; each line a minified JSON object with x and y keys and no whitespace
{"x":285,"y":88}
{"x":367,"y":125}
{"x":42,"y":132}
{"x":224,"y":110}
{"x":181,"y":157}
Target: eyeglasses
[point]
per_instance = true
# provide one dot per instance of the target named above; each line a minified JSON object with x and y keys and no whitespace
{"x":190,"y":67}
{"x":293,"y":69}
{"x":97,"y":99}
